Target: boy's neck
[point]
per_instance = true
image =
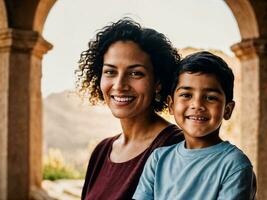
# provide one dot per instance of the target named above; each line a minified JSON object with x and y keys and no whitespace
{"x":203,"y":142}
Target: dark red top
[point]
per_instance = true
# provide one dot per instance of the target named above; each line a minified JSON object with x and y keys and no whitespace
{"x":106,"y":180}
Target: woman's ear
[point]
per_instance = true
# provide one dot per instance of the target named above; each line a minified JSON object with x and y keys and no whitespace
{"x":158,"y":87}
{"x":228,"y":110}
{"x":170,"y":104}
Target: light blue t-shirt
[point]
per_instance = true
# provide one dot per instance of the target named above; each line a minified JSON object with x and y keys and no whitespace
{"x":219,"y":172}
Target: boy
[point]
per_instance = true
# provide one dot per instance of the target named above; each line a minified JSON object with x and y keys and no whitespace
{"x":203,"y":167}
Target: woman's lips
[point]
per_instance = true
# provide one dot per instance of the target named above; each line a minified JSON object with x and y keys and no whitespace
{"x":122,"y":99}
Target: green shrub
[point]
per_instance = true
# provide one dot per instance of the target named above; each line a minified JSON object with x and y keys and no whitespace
{"x":55,"y":168}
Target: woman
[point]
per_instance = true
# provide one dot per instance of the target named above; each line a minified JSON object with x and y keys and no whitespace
{"x":127,"y":67}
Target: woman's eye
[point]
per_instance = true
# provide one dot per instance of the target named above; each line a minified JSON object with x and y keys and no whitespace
{"x":136,"y":74}
{"x":109,"y":72}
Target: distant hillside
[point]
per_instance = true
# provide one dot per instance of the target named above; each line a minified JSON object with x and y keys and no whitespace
{"x":70,"y":124}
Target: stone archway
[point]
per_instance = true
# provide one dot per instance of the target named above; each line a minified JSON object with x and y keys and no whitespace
{"x":3,"y":108}
{"x":21,"y":51}
{"x":245,"y":17}
{"x":42,"y":11}
{"x":3,"y":15}
{"x":252,"y":52}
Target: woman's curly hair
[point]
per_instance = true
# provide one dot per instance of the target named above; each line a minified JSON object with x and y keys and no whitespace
{"x":164,"y":58}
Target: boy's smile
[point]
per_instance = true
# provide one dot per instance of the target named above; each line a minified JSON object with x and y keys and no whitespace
{"x":199,"y":105}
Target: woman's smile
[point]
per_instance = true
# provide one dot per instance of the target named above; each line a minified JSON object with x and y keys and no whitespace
{"x":122,"y":100}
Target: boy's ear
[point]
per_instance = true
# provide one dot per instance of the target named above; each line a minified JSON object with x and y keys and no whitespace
{"x":228,"y":110}
{"x":170,"y":104}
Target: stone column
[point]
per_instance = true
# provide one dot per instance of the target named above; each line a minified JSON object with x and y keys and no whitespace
{"x":3,"y":121}
{"x":253,"y":57}
{"x":21,"y":112}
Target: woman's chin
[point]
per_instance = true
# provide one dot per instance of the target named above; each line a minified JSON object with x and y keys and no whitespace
{"x":120,"y":115}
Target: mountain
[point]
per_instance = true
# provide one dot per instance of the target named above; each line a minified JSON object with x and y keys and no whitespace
{"x":72,"y":125}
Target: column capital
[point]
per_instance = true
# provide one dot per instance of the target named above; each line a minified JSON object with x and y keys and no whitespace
{"x":24,"y":41}
{"x":250,"y":48}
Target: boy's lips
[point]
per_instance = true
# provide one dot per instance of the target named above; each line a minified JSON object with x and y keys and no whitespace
{"x":197,"y":118}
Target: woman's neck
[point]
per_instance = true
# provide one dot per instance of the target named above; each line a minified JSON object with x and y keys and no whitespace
{"x":142,"y":128}
{"x":137,"y":136}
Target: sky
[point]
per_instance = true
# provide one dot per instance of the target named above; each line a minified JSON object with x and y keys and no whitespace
{"x":70,"y":25}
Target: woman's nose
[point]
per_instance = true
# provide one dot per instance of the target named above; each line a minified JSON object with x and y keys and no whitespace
{"x":121,"y":83}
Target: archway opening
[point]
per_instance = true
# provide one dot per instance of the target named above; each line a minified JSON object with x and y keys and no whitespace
{"x":191,"y":26}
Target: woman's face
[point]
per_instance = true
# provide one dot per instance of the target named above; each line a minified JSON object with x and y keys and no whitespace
{"x":127,"y":80}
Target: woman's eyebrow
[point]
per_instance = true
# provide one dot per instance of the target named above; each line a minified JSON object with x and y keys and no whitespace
{"x":137,"y":65}
{"x":109,"y":65}
{"x":130,"y":66}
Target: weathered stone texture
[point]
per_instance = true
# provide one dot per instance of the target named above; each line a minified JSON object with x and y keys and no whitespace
{"x":3,"y":122}
{"x":23,"y":138}
{"x":253,"y":56}
{"x":21,"y":51}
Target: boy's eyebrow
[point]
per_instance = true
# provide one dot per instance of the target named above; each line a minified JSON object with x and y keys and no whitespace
{"x":184,"y":88}
{"x":205,"y":89}
{"x":213,"y":90}
{"x":130,"y":66}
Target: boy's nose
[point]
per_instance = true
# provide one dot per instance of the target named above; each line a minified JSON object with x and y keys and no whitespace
{"x":197,"y":104}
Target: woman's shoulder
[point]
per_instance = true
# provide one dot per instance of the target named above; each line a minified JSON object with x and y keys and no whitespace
{"x":170,"y":135}
{"x":107,"y":140}
{"x":167,"y":137}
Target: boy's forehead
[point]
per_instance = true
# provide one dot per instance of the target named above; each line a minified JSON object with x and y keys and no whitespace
{"x":193,"y":75}
{"x":199,"y":80}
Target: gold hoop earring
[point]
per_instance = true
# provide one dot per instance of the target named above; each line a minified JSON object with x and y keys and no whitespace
{"x":157,"y":97}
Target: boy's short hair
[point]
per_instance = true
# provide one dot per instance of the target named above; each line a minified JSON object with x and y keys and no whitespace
{"x":207,"y":63}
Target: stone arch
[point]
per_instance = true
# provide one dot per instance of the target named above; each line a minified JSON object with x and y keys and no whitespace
{"x":245,"y":17}
{"x":21,"y":25}
{"x":250,"y":19}
{"x":41,"y":14}
{"x":3,"y":107}
{"x":21,"y":49}
{"x":3,"y":15}
{"x":252,"y":53}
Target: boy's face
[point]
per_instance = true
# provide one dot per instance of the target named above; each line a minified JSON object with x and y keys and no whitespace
{"x":199,"y":105}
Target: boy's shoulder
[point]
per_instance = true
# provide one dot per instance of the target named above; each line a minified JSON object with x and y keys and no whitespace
{"x":166,"y":150}
{"x":234,"y":156}
{"x":228,"y":155}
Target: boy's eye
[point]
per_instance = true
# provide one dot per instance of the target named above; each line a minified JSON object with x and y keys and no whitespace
{"x":185,"y":95}
{"x":211,"y":98}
